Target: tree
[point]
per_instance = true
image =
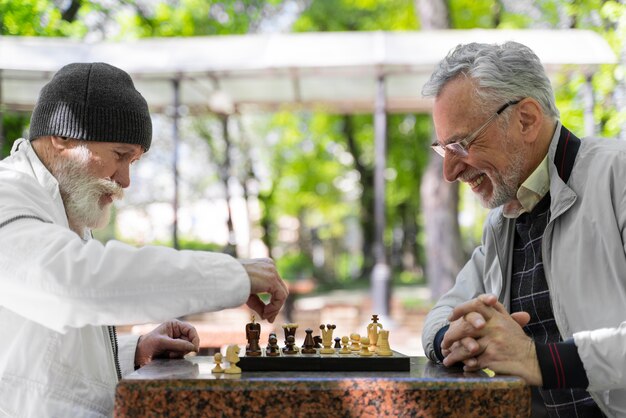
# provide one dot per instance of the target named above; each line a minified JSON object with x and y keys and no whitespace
{"x":444,"y":253}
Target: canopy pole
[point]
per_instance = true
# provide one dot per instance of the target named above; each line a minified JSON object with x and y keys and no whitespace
{"x":380,"y":279}
{"x":589,"y":103}
{"x":1,"y":119}
{"x":175,"y":116}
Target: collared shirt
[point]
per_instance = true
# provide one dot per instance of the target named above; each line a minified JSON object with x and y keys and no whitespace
{"x":530,"y":192}
{"x":534,"y":188}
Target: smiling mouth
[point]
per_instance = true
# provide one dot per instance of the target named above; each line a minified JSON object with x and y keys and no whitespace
{"x":477,"y":181}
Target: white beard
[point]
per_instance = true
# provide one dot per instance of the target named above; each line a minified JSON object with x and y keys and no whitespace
{"x":81,"y":191}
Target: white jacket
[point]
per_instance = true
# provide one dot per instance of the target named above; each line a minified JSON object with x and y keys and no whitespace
{"x":59,"y":293}
{"x":584,"y":257}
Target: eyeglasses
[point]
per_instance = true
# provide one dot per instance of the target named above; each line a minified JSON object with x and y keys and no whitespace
{"x":459,"y":148}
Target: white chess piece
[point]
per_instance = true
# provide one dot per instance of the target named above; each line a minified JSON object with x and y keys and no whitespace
{"x":365,"y":347}
{"x":217,"y":358}
{"x":232,"y":356}
{"x":383,"y":343}
{"x":327,"y":339}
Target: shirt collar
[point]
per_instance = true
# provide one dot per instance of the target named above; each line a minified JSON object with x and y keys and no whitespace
{"x":533,"y":189}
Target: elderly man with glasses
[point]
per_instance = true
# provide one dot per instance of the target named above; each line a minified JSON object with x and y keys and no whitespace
{"x":544,"y":295}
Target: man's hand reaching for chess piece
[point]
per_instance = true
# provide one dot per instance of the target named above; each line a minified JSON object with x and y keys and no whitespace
{"x":265,"y":279}
{"x":171,"y":339}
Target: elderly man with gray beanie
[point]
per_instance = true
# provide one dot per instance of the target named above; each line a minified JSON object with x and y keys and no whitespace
{"x":63,"y":293}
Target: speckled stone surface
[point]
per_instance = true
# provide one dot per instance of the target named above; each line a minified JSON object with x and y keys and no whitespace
{"x":187,"y":388}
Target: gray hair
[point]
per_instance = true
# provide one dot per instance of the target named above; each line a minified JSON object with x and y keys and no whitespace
{"x":502,"y":73}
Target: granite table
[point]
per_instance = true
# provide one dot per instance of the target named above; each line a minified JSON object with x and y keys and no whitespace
{"x":187,"y":388}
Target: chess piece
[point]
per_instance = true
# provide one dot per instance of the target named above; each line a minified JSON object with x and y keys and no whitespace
{"x":290,"y":329}
{"x":383,"y":344}
{"x":272,"y":348}
{"x":372,"y":332}
{"x":272,"y":334}
{"x":291,"y":346}
{"x":337,"y":342}
{"x":217,"y":359}
{"x":365,"y":347}
{"x":327,"y":339}
{"x":309,"y":343}
{"x":318,"y":341}
{"x":355,"y":340}
{"x":232,"y":356}
{"x":252,"y":326}
{"x":345,"y":341}
{"x":253,"y":349}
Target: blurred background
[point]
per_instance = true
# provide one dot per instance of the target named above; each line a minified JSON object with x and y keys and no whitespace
{"x":347,"y":199}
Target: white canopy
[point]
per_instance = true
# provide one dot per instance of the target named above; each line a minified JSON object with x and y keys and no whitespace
{"x":336,"y":70}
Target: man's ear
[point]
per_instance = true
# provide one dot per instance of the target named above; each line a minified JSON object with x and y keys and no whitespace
{"x":60,"y":143}
{"x":530,"y":118}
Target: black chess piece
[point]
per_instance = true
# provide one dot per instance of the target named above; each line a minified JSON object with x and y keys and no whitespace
{"x":253,"y":349}
{"x":272,"y":348}
{"x":318,"y":341}
{"x":337,"y":342}
{"x":309,"y":343}
{"x":272,"y":334}
{"x":290,"y":329}
{"x":252,"y":326}
{"x":291,"y":345}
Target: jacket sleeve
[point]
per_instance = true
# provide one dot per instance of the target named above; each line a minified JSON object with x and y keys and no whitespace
{"x":468,"y":285}
{"x":52,"y":277}
{"x":605,"y":350}
{"x":126,"y":348}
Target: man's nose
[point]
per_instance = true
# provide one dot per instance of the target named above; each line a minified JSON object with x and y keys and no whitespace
{"x":122,"y":175}
{"x":453,"y":166}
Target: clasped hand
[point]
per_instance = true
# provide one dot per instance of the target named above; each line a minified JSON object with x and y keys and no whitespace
{"x":171,"y":339}
{"x":483,"y":334}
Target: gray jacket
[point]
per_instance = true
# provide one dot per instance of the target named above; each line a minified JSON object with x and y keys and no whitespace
{"x":584,"y":258}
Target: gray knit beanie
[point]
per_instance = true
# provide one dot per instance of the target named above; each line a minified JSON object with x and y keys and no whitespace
{"x":92,"y":102}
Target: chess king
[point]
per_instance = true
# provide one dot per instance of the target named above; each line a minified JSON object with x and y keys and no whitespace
{"x":250,"y":335}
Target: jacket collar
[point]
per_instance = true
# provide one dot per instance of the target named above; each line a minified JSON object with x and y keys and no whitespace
{"x":562,"y":156}
{"x":27,"y":161}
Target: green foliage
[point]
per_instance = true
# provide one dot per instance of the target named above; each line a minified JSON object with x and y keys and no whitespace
{"x":13,"y":126}
{"x":357,"y":15}
{"x":295,"y":265}
{"x":195,"y":18}
{"x":469,"y":14}
{"x":186,"y":244}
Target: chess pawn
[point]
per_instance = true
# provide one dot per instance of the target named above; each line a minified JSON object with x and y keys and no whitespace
{"x":337,"y":342}
{"x":217,"y":358}
{"x":383,"y":344}
{"x":345,"y":349}
{"x":365,"y":347}
{"x":372,"y":332}
{"x":232,"y":356}
{"x":355,"y":340}
{"x":327,"y":339}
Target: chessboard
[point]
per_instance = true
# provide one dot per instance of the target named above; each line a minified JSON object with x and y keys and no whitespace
{"x":325,"y":362}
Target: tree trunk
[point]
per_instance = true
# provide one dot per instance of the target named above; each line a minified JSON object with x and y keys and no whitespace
{"x":367,"y":197}
{"x":444,"y":253}
{"x":439,"y":199}
{"x":225,"y":173}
